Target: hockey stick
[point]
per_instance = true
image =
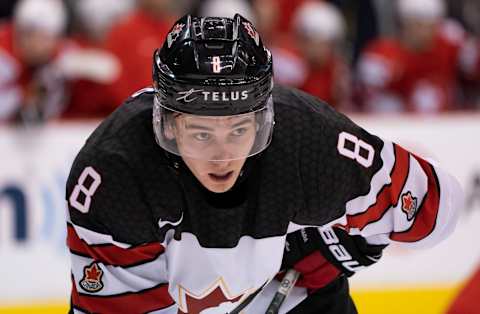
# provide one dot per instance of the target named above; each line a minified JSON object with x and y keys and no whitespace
{"x":288,"y":282}
{"x":247,"y":301}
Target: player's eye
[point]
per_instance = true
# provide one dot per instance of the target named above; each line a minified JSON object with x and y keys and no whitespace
{"x":239,"y":131}
{"x":202,"y":136}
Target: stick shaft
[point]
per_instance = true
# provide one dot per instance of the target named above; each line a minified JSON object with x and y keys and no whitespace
{"x":288,"y":282}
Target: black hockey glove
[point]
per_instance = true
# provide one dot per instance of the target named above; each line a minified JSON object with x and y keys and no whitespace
{"x":347,"y":253}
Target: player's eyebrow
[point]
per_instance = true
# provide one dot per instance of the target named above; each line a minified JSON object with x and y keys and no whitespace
{"x":206,"y":128}
{"x":240,"y":123}
{"x":198,"y":127}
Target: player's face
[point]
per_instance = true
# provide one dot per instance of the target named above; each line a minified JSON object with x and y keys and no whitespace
{"x":418,"y":33}
{"x":317,"y":50}
{"x":210,"y":146}
{"x":35,"y":47}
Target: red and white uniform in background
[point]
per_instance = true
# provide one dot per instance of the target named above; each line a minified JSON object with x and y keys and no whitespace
{"x":290,"y":67}
{"x":90,"y":67}
{"x":320,"y":29}
{"x":287,"y":11}
{"x":89,"y":97}
{"x":395,"y":79}
{"x":19,"y":84}
{"x":133,"y":41}
{"x":330,"y":83}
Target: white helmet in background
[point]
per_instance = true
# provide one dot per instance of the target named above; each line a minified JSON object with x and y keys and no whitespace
{"x":97,"y":16}
{"x":48,"y":16}
{"x":421,"y":9}
{"x":226,"y":8}
{"x":319,"y":20}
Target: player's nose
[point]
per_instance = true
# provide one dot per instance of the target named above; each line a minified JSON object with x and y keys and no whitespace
{"x":221,"y":154}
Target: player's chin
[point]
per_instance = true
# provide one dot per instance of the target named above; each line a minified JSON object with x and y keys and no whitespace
{"x":220,"y":188}
{"x":217,"y":189}
{"x":216,"y":185}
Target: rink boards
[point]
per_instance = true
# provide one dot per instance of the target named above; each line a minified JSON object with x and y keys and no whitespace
{"x":35,"y":264}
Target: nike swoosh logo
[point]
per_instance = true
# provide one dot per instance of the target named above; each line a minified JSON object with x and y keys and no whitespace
{"x":163,"y":223}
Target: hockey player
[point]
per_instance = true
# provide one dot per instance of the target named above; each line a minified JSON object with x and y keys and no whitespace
{"x":320,"y":26}
{"x":143,"y":29}
{"x":234,"y":182}
{"x":415,"y":71}
{"x":32,"y":89}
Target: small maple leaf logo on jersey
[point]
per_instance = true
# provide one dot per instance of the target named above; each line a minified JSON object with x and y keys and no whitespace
{"x":92,"y":278}
{"x":215,"y":299}
{"x":172,"y":36}
{"x":409,"y":205}
{"x":252,"y":32}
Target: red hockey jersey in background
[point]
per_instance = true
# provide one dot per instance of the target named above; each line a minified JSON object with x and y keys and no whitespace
{"x":133,"y":41}
{"x":395,"y":78}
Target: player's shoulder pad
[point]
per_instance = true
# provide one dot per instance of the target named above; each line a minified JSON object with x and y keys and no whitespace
{"x":104,"y":195}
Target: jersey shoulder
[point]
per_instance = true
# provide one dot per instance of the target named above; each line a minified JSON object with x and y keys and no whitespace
{"x":120,"y":175}
{"x":336,"y":157}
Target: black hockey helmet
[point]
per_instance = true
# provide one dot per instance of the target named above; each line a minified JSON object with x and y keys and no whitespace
{"x":212,"y":67}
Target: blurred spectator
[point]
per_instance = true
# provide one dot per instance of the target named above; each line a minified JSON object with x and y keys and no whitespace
{"x":320,"y":29}
{"x":94,"y":19}
{"x":416,"y":71}
{"x":226,"y":8}
{"x":90,"y":67}
{"x":470,"y":70}
{"x":364,"y":20}
{"x":31,"y":88}
{"x":134,"y":39}
{"x":265,"y":14}
{"x":468,"y":11}
{"x":286,"y":11}
{"x":289,"y":66}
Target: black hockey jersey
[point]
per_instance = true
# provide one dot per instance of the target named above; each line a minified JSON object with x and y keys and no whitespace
{"x":146,"y":237}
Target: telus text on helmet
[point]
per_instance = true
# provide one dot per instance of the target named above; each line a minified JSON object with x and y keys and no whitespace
{"x":193,"y":94}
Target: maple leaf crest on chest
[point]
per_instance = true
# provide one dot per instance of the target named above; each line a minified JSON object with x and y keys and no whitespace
{"x":215,"y":298}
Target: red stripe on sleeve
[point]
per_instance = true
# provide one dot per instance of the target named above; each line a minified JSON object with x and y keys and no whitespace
{"x":389,"y":195}
{"x":111,"y":254}
{"x":133,"y":302}
{"x":426,"y":218}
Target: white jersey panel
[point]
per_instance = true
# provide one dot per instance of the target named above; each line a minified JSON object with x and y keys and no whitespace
{"x":117,"y":280}
{"x":226,"y":269}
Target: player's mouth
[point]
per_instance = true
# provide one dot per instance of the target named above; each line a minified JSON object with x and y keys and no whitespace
{"x":220,"y":177}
